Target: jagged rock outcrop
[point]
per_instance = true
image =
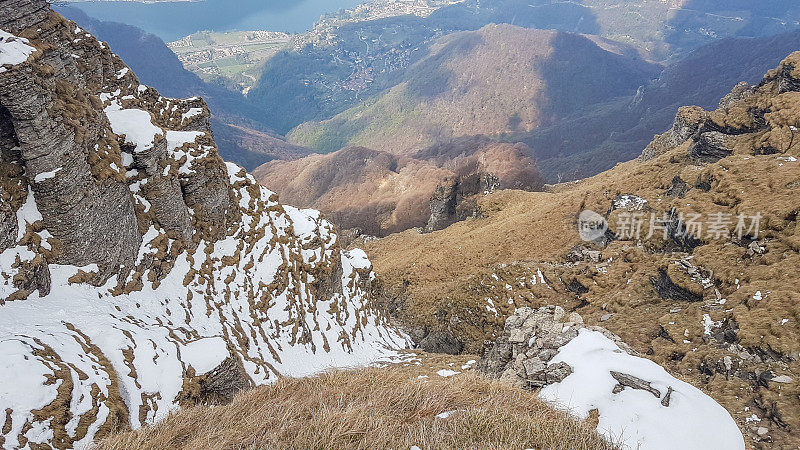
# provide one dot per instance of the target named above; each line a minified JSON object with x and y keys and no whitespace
{"x":454,"y":199}
{"x":531,"y":339}
{"x":685,"y":125}
{"x":52,"y":123}
{"x":138,"y":270}
{"x":216,"y":387}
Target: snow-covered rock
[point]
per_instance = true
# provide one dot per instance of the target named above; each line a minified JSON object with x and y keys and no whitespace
{"x":582,"y":369}
{"x":13,"y":50}
{"x":680,"y":416}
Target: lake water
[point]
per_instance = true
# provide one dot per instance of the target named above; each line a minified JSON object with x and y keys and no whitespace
{"x":173,"y":20}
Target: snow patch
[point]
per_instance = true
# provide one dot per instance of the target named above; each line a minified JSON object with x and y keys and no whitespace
{"x":204,"y":355}
{"x":28,"y":214}
{"x":13,"y":50}
{"x":192,"y":112}
{"x":135,"y":124}
{"x":46,"y":175}
{"x":709,"y":325}
{"x":630,"y":202}
{"x":635,"y":417}
{"x":444,"y":373}
{"x":446,"y":414}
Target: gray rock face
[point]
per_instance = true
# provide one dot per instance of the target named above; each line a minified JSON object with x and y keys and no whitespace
{"x":679,"y":188}
{"x":33,"y":276}
{"x":786,"y":81}
{"x":162,"y":190}
{"x":8,"y":222}
{"x":441,"y":342}
{"x":56,"y":141}
{"x":454,"y":201}
{"x":90,"y":214}
{"x":531,"y":338}
{"x":709,"y":147}
{"x":687,"y":122}
{"x":443,"y":205}
{"x":20,"y":14}
{"x":740,"y":92}
{"x":217,"y":387}
{"x":208,"y":194}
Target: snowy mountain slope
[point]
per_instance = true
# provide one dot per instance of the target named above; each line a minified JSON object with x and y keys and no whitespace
{"x":102,"y":349}
{"x":138,"y":271}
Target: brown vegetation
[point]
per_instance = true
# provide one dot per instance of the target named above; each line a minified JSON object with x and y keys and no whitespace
{"x":394,"y":407}
{"x":250,"y":147}
{"x":381,"y":193}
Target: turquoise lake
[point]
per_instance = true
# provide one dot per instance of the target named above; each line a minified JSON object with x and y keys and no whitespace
{"x":173,"y":20}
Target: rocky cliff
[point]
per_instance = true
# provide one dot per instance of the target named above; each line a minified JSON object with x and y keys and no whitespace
{"x":137,"y":269}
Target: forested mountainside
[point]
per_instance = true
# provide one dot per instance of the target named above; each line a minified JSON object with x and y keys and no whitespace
{"x":497,"y":79}
{"x":378,"y":193}
{"x":609,"y":131}
{"x":360,"y":59}
{"x":138,"y":270}
{"x":390,"y":187}
{"x":616,"y":131}
{"x":688,"y":253}
{"x":240,"y":135}
{"x":613,"y":125}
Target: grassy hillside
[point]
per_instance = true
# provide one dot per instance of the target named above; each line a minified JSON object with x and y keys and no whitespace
{"x":719,"y":310}
{"x":318,"y":81}
{"x":498,"y":79}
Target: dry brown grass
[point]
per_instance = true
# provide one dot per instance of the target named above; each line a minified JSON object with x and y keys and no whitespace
{"x":357,"y":187}
{"x":375,"y":408}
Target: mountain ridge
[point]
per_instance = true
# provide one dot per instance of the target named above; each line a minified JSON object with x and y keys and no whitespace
{"x":713,"y":302}
{"x":465,"y":85}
